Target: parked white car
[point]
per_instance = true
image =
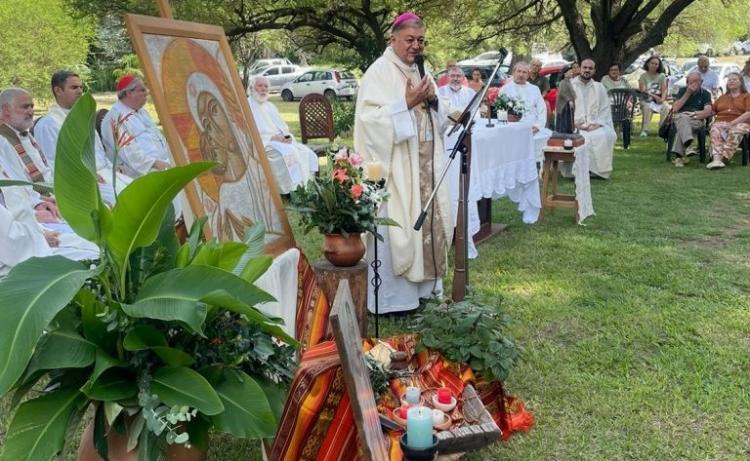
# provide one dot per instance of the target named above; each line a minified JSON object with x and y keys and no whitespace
{"x":331,"y":83}
{"x":721,"y":69}
{"x":489,"y":58}
{"x":260,"y":63}
{"x":740,"y":47}
{"x":278,"y":75}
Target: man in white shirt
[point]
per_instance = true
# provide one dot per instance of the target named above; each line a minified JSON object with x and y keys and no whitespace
{"x":131,"y":132}
{"x":710,"y":81}
{"x":593,"y":118}
{"x":292,"y":163}
{"x":67,"y":88}
{"x":536,"y":108}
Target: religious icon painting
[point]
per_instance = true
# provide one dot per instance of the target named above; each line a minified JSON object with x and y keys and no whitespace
{"x":202,"y":106}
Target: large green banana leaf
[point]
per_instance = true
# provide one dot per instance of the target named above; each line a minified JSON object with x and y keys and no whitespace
{"x":37,"y":431}
{"x":247,"y":412}
{"x":183,"y":386}
{"x":32,"y":294}
{"x":76,"y":186}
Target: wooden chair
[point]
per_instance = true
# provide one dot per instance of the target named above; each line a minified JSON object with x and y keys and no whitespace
{"x":622,"y":102}
{"x":99,"y":118}
{"x":316,"y":120}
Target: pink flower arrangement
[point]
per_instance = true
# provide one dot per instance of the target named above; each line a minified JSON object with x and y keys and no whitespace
{"x":343,"y":201}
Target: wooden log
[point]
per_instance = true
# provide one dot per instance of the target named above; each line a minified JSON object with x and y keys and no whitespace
{"x":328,"y":277}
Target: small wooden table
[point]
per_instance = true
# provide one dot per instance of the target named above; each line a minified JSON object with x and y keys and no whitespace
{"x":328,"y":277}
{"x":550,"y":172}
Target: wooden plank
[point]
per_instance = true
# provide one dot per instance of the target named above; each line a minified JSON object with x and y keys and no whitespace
{"x":372,"y":443}
{"x":473,"y":437}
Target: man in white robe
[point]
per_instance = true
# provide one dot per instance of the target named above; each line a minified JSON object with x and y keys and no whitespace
{"x":131,"y":132}
{"x":292,"y":163}
{"x":458,"y":98}
{"x":22,"y":237}
{"x":536,"y":109}
{"x":593,"y":118}
{"x":398,"y":124}
{"x":67,"y":88}
{"x":17,"y":144}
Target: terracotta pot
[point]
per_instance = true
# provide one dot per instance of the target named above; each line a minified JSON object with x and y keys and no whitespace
{"x":513,"y":118}
{"x":118,"y":443}
{"x":343,"y":251}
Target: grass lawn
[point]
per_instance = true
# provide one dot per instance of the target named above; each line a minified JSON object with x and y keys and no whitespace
{"x":636,"y":326}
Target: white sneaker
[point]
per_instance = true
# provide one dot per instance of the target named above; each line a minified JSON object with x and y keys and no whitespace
{"x":644,"y":134}
{"x":679,"y":162}
{"x":690,"y":151}
{"x":715,"y":164}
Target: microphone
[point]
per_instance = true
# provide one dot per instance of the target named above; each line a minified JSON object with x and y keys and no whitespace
{"x":503,"y":54}
{"x":419,"y":61}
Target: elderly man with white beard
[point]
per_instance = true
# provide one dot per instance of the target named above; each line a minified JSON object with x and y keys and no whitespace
{"x":22,"y":156}
{"x":292,"y":163}
{"x":536,"y":109}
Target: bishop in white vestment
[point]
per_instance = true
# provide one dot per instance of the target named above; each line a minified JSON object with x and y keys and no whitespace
{"x":131,"y":132}
{"x":399,"y":122}
{"x":536,"y":109}
{"x":593,"y":118}
{"x":292,"y":163}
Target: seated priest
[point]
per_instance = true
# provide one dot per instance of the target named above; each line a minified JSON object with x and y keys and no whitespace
{"x":593,"y":118}
{"x":66,"y":89}
{"x":22,"y":237}
{"x":519,"y":88}
{"x":458,"y":98}
{"x":292,"y":163}
{"x":17,"y":145}
{"x":131,"y":132}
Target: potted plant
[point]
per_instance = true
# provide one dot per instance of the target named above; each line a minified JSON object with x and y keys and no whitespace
{"x":140,"y":333}
{"x":513,"y":108}
{"x":342,"y":204}
{"x":469,"y":332}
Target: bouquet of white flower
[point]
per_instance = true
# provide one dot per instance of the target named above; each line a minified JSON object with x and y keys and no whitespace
{"x":510,"y":105}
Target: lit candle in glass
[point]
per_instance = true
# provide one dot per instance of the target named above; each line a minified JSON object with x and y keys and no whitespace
{"x":373,"y":171}
{"x":412,"y":395}
{"x":419,"y":427}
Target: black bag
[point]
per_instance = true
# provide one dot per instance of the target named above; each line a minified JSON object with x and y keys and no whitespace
{"x":666,"y":125}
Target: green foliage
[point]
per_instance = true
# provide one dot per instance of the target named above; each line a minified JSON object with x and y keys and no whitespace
{"x":469,"y":332}
{"x":120,"y":331}
{"x":37,"y":39}
{"x":343,"y":117}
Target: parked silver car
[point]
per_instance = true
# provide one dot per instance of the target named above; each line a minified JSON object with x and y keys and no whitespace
{"x":331,"y":83}
{"x":278,"y":75}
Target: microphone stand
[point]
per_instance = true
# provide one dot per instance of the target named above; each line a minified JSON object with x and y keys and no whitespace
{"x":462,"y":145}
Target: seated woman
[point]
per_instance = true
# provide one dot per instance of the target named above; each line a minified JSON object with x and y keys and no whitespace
{"x":732,"y":114}
{"x":653,"y":83}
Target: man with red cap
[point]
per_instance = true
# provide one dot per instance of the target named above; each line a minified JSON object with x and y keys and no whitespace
{"x":128,"y":130}
{"x":399,"y":122}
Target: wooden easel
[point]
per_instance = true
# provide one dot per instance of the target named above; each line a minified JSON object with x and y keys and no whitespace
{"x":165,"y":10}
